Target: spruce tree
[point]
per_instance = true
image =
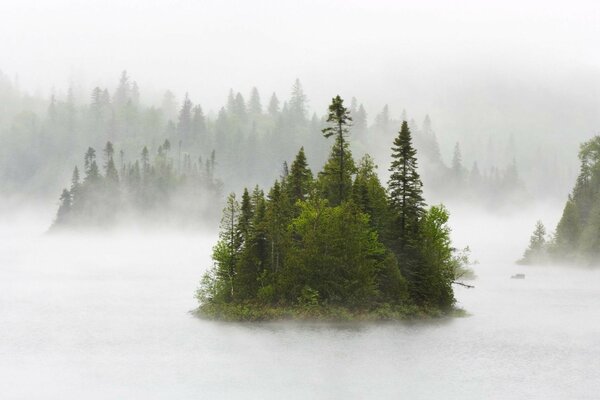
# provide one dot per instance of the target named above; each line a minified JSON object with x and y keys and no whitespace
{"x":370,"y":196}
{"x":536,"y":252}
{"x":273,"y":105}
{"x":405,"y":190}
{"x":457,"y":167}
{"x":92,"y":174}
{"x":245,"y":218}
{"x":184,"y":123}
{"x":254,"y":105}
{"x":64,"y":209}
{"x":297,"y":104}
{"x":339,"y":126}
{"x":75,"y":187}
{"x":300,"y":178}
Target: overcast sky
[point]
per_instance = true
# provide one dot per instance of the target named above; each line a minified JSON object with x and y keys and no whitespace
{"x":444,"y":57}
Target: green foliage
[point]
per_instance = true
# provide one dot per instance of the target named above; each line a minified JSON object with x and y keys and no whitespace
{"x":335,"y":180}
{"x":577,"y":236}
{"x":405,"y":192}
{"x":300,"y":179}
{"x":432,"y":282}
{"x":334,"y":253}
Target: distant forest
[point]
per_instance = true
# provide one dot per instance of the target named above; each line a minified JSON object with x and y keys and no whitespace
{"x":42,"y":138}
{"x":576,"y":239}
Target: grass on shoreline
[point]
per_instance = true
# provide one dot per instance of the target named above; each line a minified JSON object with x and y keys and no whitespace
{"x":261,"y":312}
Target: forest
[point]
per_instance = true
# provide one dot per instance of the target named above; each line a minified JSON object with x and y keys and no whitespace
{"x":335,"y":245}
{"x":40,"y":137}
{"x":576,"y":239}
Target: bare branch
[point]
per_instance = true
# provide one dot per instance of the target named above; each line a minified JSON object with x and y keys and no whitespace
{"x":463,"y":284}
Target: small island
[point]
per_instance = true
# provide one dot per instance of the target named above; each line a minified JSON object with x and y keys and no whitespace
{"x":335,"y":246}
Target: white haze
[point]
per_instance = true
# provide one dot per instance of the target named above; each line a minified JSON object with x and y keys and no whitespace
{"x":92,"y":316}
{"x":529,"y":68}
{"x":100,"y":317}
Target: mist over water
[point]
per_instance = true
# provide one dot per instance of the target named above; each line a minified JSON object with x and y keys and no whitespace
{"x":124,"y":125}
{"x":106,"y":316}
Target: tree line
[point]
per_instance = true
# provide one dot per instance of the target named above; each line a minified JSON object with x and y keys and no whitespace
{"x":577,"y":235}
{"x":151,"y":189}
{"x":337,"y":238}
{"x":251,"y":133}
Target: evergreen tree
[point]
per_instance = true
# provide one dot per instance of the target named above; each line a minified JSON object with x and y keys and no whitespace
{"x":64,"y":208}
{"x":457,"y":167}
{"x":75,"y":187}
{"x":536,"y":252}
{"x":299,"y":181}
{"x":184,"y":124}
{"x":226,"y":252}
{"x":245,"y":218}
{"x":92,"y":174}
{"x":370,"y":196}
{"x":405,"y":189}
{"x":273,"y":105}
{"x":340,"y":122}
{"x":297,"y":104}
{"x":254,"y":106}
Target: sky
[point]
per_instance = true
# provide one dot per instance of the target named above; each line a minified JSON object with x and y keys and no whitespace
{"x":449,"y":59}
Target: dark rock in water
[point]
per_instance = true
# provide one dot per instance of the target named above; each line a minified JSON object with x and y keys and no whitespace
{"x":518,"y":276}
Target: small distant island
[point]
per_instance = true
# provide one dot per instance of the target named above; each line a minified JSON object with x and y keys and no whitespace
{"x":335,"y":246}
{"x":154,"y":189}
{"x":577,"y":236}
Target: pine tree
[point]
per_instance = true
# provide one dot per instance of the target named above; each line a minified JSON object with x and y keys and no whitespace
{"x":536,"y":252}
{"x":64,"y":208}
{"x":457,"y":167}
{"x":370,"y":196}
{"x":297,"y":104}
{"x":278,"y":216}
{"x":405,"y":190}
{"x":109,"y":151}
{"x":184,"y":124}
{"x":240,"y":107}
{"x":273,"y":105}
{"x":145,"y":160}
{"x":254,"y":106}
{"x":340,"y":122}
{"x":122,"y":94}
{"x":92,"y":174}
{"x":75,"y":187}
{"x":382,"y":120}
{"x":300,"y":178}
{"x":245,"y":219}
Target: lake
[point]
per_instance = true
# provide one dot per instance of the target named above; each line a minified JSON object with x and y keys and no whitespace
{"x":107,"y":317}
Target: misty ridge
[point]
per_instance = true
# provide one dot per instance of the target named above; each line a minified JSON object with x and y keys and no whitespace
{"x":179,"y":157}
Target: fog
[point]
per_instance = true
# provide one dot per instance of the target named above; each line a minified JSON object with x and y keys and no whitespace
{"x":124,"y":126}
{"x":91,"y":316}
{"x":492,"y":65}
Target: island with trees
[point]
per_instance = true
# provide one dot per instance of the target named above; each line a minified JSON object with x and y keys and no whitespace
{"x":576,"y":239}
{"x":151,"y":190}
{"x":335,"y":245}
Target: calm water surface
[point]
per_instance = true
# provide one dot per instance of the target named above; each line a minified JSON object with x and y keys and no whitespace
{"x":107,"y":318}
